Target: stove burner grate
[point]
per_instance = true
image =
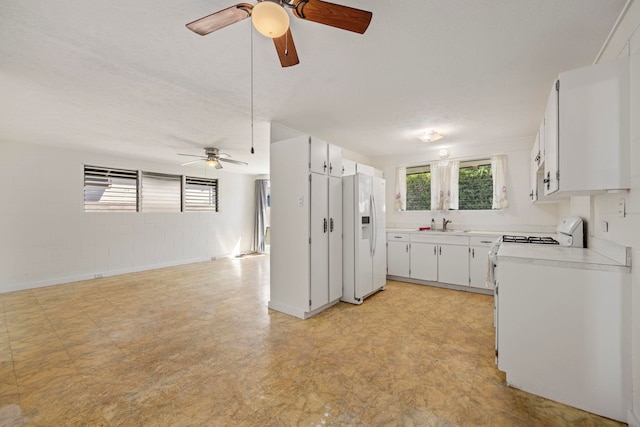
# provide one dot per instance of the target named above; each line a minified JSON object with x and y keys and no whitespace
{"x":530,"y":239}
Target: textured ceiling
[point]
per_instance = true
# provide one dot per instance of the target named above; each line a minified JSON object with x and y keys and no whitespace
{"x":128,"y":78}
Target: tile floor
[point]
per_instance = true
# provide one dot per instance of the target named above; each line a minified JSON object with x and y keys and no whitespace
{"x":196,"y":345}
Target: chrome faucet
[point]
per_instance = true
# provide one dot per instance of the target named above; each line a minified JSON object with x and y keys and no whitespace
{"x":444,"y":224}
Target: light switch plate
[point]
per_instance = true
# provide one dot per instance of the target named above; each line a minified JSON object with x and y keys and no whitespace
{"x":621,"y":208}
{"x":604,"y":226}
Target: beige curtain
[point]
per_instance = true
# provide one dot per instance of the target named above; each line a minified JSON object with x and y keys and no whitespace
{"x":444,"y":185}
{"x":400,"y":203}
{"x":498,"y":172}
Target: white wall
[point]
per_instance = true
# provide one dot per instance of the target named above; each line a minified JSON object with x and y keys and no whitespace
{"x":626,"y":42}
{"x":47,"y":238}
{"x":521,"y":215}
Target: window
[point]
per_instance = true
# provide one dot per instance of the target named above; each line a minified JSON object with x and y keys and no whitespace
{"x":121,"y":190}
{"x":419,"y":188}
{"x":200,"y":194}
{"x":161,"y":192}
{"x":473,"y":185}
{"x":110,"y":190}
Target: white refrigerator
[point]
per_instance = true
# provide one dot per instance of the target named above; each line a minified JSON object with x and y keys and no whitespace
{"x":364,"y":247}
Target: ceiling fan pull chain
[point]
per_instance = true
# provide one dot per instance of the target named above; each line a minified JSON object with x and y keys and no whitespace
{"x":251,"y":37}
{"x":286,"y":43}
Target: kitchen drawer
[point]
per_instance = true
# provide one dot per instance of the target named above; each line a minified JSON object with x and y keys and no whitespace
{"x":482,"y":241}
{"x":440,"y":238}
{"x":399,"y":237}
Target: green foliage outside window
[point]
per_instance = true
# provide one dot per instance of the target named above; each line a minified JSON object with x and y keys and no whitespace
{"x":419,"y":191}
{"x":475,"y":186}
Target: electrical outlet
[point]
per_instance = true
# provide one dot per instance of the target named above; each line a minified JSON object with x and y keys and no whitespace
{"x":621,"y":208}
{"x":98,"y":276}
{"x":300,"y":201}
{"x":604,"y":226}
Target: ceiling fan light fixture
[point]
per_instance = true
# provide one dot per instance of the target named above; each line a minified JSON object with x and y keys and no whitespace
{"x":430,"y":136}
{"x":212,"y":162}
{"x":270,"y":19}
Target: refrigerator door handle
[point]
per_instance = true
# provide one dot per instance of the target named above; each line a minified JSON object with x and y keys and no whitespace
{"x":374,"y":231}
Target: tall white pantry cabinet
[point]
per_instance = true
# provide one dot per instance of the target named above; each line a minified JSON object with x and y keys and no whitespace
{"x":306,"y":226}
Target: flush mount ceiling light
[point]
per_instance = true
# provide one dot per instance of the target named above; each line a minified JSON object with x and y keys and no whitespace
{"x":444,"y":153}
{"x":430,"y":136}
{"x":270,"y":19}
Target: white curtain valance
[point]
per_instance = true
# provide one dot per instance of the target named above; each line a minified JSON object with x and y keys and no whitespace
{"x":400,"y":203}
{"x":498,"y":172}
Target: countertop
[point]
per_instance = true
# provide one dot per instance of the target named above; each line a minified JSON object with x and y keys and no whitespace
{"x":558,"y":256}
{"x":451,"y":232}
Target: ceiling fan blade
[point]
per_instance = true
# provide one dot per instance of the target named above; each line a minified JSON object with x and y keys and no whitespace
{"x":224,"y":155}
{"x":235,"y":162}
{"x":193,"y":161}
{"x":220,"y":19}
{"x":286,"y":49}
{"x":334,"y":15}
{"x":218,"y":165}
{"x":192,"y":155}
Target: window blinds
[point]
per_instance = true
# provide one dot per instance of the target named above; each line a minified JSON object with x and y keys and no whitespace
{"x":160,"y":192}
{"x":110,"y":190}
{"x":200,"y":194}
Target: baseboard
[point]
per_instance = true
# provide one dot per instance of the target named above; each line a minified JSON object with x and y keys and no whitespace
{"x":441,"y":285}
{"x":99,"y":274}
{"x":633,"y":419}
{"x":287,"y":309}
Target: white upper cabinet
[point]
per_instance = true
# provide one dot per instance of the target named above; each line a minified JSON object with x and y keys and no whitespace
{"x":325,"y":158}
{"x":535,"y":163}
{"x":586,"y":137}
{"x":594,"y":128}
{"x":551,"y":174}
{"x":335,"y":160}
{"x":318,"y":162}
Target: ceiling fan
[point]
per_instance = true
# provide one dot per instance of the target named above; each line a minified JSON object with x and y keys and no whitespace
{"x":213,"y":157}
{"x":270,"y":18}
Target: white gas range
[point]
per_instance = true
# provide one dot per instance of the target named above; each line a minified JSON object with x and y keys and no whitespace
{"x":570,"y":232}
{"x":558,"y":313}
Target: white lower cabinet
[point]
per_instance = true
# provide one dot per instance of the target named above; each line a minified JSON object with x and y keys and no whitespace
{"x":424,"y":261}
{"x":319,"y":291}
{"x":398,"y":258}
{"x":453,"y":264}
{"x":561,"y":331}
{"x":479,"y":262}
{"x":478,"y":267}
{"x":430,"y":257}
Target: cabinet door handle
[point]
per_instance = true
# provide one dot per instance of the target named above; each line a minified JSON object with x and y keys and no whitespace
{"x":331,"y":225}
{"x":325,"y":225}
{"x":547,"y":180}
{"x":434,"y":250}
{"x":324,"y":166}
{"x":330,"y":167}
{"x":406,"y":247}
{"x":473,"y":253}
{"x":531,"y":195}
{"x":440,"y":251}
